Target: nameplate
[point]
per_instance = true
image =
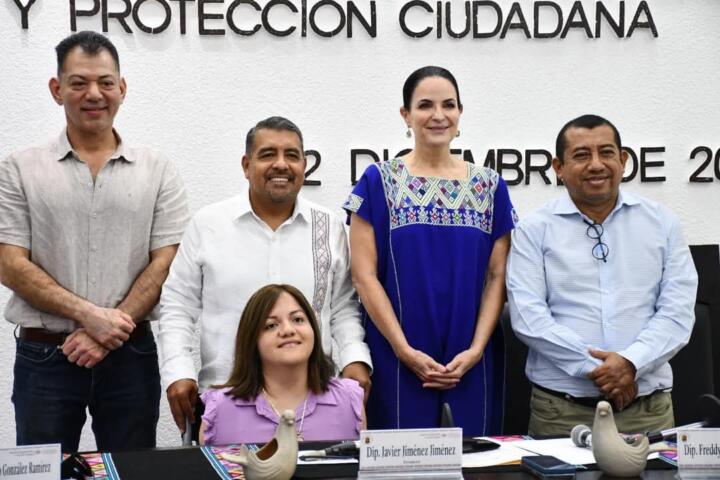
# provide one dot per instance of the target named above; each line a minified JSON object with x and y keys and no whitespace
{"x":411,"y":451}
{"x":698,"y":449}
{"x":36,"y":462}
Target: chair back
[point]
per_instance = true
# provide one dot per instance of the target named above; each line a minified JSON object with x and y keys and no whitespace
{"x":707,"y":264}
{"x":517,"y":386}
{"x":693,"y":369}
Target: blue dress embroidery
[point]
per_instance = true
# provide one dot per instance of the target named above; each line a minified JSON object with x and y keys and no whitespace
{"x":433,"y":238}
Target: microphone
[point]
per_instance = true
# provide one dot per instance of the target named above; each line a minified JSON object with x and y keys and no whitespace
{"x":343,"y":449}
{"x":349,"y":449}
{"x":709,"y":407}
{"x":671,"y":433}
{"x":446,"y":416}
{"x":581,"y":436}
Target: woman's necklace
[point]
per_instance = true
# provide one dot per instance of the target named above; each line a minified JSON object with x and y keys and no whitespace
{"x":277,"y":412}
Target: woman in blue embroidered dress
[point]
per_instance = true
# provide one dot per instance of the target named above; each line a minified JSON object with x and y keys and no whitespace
{"x":429,"y":236}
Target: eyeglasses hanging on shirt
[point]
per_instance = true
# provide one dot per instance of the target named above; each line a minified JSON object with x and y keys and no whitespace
{"x":595,"y":231}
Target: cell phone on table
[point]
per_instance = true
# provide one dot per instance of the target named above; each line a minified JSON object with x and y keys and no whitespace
{"x":549,"y":467}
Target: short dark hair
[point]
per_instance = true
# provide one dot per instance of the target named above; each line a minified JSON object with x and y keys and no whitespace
{"x":91,"y":43}
{"x":271,"y":123}
{"x":421,"y":74}
{"x":584,"y":121}
{"x":246,"y":380}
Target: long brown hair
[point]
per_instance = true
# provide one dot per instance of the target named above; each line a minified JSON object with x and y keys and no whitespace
{"x":246,"y":380}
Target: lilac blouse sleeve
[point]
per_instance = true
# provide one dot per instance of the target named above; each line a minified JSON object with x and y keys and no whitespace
{"x":210,"y":398}
{"x":354,"y":394}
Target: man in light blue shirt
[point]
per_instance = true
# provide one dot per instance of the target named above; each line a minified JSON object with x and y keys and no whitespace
{"x":601,"y":287}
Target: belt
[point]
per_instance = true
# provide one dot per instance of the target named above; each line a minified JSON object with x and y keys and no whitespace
{"x":590,"y":402}
{"x":58,"y":338}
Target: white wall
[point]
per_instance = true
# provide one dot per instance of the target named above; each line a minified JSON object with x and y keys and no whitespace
{"x":195,"y":96}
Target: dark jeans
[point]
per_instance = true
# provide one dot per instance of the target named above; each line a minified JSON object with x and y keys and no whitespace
{"x":122,"y":392}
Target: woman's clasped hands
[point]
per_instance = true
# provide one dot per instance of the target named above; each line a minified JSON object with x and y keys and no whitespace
{"x":434,"y":374}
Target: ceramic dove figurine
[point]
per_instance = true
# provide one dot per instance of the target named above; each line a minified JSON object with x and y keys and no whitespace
{"x":277,"y":459}
{"x":612,"y":453}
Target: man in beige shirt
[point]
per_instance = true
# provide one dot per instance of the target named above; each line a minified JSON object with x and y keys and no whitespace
{"x":88,"y":228}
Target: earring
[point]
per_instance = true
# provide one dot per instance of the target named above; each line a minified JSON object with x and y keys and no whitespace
{"x":408,"y":134}
{"x":458,"y":133}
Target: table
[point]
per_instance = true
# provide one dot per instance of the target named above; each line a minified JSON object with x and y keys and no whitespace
{"x":188,"y":463}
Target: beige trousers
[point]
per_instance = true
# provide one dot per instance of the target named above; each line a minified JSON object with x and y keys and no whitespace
{"x":551,"y":415}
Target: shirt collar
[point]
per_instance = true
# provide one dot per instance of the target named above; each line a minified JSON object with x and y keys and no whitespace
{"x":302,"y":208}
{"x":565,"y":205}
{"x":65,"y":150}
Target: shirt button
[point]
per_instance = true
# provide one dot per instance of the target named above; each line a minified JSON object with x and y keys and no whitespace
{"x":94,"y":214}
{"x":92,"y":280}
{"x":89,"y":184}
{"x":94,"y":248}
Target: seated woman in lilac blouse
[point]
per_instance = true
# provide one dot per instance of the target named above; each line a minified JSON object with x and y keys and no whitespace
{"x":280,"y":365}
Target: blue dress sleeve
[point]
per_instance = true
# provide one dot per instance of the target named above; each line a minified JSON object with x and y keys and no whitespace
{"x":504,"y":216}
{"x":369,"y":202}
{"x":365,"y":197}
